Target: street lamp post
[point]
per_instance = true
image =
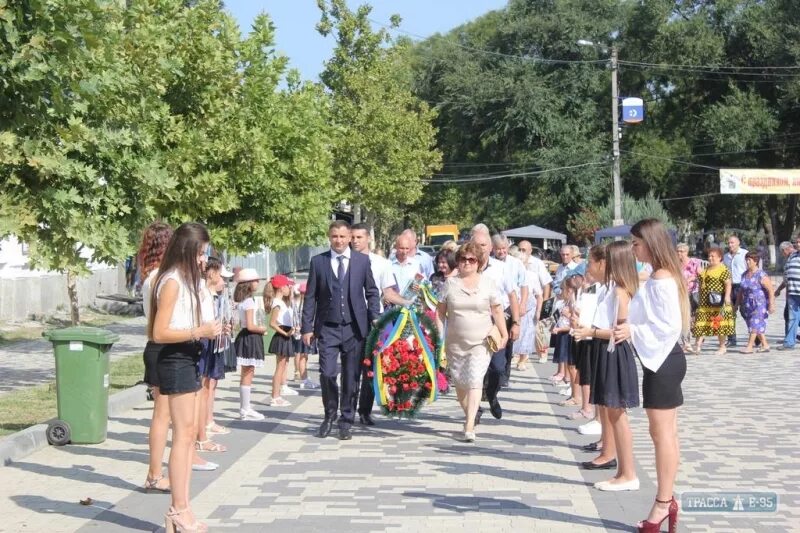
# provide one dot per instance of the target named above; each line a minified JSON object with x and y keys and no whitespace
{"x":618,"y":221}
{"x":615,"y":134}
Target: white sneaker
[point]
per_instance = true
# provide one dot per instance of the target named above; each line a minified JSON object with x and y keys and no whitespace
{"x":250,"y":414}
{"x":592,"y":427}
{"x":308,"y":384}
{"x":208,"y":466}
{"x":542,"y":359}
{"x":279,"y":402}
{"x":286,"y":391}
{"x":566,"y":391}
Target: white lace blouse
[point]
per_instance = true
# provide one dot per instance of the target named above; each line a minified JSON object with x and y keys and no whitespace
{"x":655,"y":321}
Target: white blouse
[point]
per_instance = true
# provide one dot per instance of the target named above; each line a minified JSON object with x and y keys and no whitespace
{"x":606,"y":308}
{"x":655,"y":321}
{"x":183,"y":314}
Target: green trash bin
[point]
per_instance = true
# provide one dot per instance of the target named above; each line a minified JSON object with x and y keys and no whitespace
{"x":81,"y":384}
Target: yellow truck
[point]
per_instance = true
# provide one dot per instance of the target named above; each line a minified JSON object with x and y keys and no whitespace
{"x":437,"y":235}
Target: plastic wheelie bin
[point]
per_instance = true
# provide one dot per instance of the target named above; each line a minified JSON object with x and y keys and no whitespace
{"x":82,"y":384}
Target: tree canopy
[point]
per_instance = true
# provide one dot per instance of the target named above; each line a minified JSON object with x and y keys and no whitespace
{"x":517,"y":95}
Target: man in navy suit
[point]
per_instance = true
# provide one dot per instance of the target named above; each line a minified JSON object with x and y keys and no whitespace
{"x":341,"y":302}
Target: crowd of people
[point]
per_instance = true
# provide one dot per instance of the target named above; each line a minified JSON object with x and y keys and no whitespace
{"x":497,"y":303}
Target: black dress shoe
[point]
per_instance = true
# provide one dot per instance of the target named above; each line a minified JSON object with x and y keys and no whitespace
{"x":325,"y":428}
{"x":592,"y":447}
{"x":344,"y":433}
{"x":478,"y":416}
{"x":495,"y":409}
{"x":366,"y":420}
{"x":588,"y":465}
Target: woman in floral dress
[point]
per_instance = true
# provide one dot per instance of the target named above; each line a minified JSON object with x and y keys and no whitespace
{"x":756,"y":300}
{"x":714,"y":316}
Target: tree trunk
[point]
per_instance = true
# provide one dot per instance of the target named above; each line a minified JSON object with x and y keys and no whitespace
{"x":769,"y":231}
{"x":357,"y":214}
{"x":791,"y":216}
{"x":72,"y":291}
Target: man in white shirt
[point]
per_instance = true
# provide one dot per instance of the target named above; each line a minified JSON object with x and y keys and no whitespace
{"x":735,"y":262}
{"x":515,"y":276}
{"x":382,"y":272}
{"x":537,"y":266}
{"x":494,"y":269}
{"x":567,"y":265}
{"x":405,"y":267}
{"x":425,"y":260}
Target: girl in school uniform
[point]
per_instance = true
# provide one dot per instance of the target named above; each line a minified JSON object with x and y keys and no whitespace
{"x":249,"y":342}
{"x":560,"y":330}
{"x":278,"y":300}
{"x":616,"y":381}
{"x":175,"y":321}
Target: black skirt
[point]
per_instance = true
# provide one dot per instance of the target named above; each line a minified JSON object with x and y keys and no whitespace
{"x":150,"y":356}
{"x":662,"y":389}
{"x":572,"y":357}
{"x":583,"y":362}
{"x":178,"y":370}
{"x":281,"y":345}
{"x":249,"y":348}
{"x":616,"y":380}
{"x":596,"y":348}
{"x":562,"y":349}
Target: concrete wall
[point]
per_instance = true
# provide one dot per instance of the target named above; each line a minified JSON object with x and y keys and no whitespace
{"x":22,"y":298}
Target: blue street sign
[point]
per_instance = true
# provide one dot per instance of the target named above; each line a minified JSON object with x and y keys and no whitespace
{"x":632,"y":110}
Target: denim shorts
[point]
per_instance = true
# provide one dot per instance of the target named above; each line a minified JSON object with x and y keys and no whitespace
{"x":178,"y":370}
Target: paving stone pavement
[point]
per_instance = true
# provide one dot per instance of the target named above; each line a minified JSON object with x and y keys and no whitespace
{"x":737,"y":428}
{"x":28,"y":363}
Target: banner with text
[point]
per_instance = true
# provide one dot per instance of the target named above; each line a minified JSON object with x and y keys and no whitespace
{"x":759,"y":181}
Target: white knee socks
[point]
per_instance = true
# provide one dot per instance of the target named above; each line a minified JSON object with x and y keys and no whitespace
{"x":244,"y":395}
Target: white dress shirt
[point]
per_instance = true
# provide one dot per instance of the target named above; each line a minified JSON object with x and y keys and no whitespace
{"x":335,"y":261}
{"x":538,"y":267}
{"x":382,"y":273}
{"x":405,"y":272}
{"x":496,"y":271}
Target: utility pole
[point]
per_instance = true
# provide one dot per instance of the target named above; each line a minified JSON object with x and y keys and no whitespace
{"x":617,"y":185}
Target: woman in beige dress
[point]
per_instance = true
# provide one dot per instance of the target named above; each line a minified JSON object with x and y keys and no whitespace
{"x":469,"y":303}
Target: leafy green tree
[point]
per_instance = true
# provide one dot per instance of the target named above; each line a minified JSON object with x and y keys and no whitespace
{"x":383,"y":135}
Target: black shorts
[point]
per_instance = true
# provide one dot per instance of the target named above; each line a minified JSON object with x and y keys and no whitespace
{"x":662,"y":389}
{"x":178,"y":370}
{"x":150,"y":356}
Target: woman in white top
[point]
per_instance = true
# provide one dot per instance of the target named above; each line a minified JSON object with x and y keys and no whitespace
{"x":175,"y":321}
{"x":659,"y":314}
{"x":154,"y":243}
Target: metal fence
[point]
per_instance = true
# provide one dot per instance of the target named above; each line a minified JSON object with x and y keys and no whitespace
{"x":269,"y":262}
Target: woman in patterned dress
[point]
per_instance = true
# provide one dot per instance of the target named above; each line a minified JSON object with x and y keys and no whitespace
{"x":714,"y":316}
{"x":756,"y":300}
{"x":469,"y":303}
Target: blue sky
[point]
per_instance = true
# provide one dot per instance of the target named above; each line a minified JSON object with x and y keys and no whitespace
{"x":295,"y":22}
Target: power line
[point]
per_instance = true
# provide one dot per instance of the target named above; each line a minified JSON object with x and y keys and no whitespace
{"x":688,"y":197}
{"x":717,"y":68}
{"x":669,"y":159}
{"x":480,"y":178}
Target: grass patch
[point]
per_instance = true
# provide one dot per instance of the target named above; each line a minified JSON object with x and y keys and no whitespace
{"x":33,"y":405}
{"x":91,"y":318}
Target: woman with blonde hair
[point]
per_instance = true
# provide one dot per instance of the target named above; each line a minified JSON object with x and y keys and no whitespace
{"x":658,"y":315}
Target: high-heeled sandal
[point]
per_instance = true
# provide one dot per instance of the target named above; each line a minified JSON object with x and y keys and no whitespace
{"x":151,"y":484}
{"x":646,"y":526}
{"x":173,"y":524}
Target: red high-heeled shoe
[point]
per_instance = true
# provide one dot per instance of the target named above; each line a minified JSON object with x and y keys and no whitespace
{"x":652,"y":527}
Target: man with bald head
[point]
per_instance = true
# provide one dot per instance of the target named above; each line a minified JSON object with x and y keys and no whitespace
{"x":537,"y":266}
{"x":425,"y":260}
{"x":404,"y":265}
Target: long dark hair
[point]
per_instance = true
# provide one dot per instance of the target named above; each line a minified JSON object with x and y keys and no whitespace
{"x":181,"y":255}
{"x":621,"y":267}
{"x":155,"y":238}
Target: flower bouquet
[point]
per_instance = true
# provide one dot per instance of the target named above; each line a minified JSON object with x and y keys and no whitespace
{"x":401,"y":354}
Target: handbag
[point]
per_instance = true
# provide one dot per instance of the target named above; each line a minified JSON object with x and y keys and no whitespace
{"x":547,"y":308}
{"x":493,"y":339}
{"x":715,"y":299}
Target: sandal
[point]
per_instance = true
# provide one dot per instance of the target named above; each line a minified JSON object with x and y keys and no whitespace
{"x":156,"y":484}
{"x":581,"y":414}
{"x":209,"y":446}
{"x":213,"y":427}
{"x":748,"y":351}
{"x":279,"y":402}
{"x":572,"y":402}
{"x":721,"y":351}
